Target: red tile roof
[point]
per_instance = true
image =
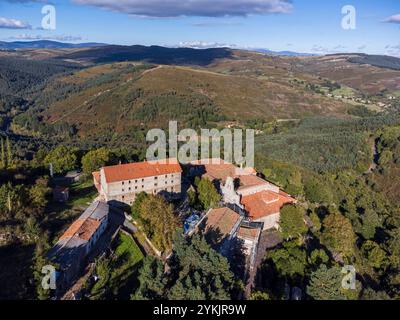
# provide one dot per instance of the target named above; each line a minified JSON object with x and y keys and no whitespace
{"x":265,"y":203}
{"x":248,"y":233}
{"x":88,"y":228}
{"x":218,"y":169}
{"x":139,"y":170}
{"x":251,"y":181}
{"x":222,"y":220}
{"x":81,"y":228}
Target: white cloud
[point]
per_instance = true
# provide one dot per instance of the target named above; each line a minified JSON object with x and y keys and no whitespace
{"x":204,"y":45}
{"x":43,"y":37}
{"x":393,"y":50}
{"x":204,"y":8}
{"x":7,"y":23}
{"x":393,"y":19}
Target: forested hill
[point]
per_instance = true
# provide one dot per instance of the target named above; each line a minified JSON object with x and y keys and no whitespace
{"x":153,"y":54}
{"x":21,"y":78}
{"x":380,"y":61}
{"x":17,"y":74}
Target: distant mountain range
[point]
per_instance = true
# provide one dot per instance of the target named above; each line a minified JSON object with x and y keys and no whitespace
{"x":283,"y":53}
{"x":45,"y":44}
{"x":49,"y":44}
{"x":181,"y":55}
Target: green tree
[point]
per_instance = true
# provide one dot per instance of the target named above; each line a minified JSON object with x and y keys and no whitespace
{"x":32,"y":229}
{"x":208,"y":194}
{"x":10,"y":158}
{"x":316,"y":222}
{"x":370,"y":221}
{"x":292,"y":223}
{"x":338,"y":234}
{"x":103,"y":273}
{"x":38,"y":193}
{"x":40,"y":260}
{"x":318,"y":256}
{"x":385,"y":157}
{"x":290,"y":260}
{"x":375,"y":255}
{"x":62,"y":158}
{"x":199,"y":272}
{"x":316,"y":191}
{"x":95,"y":159}
{"x":260,"y":295}
{"x":11,"y":198}
{"x":3,"y":162}
{"x":6,"y":154}
{"x":371,"y":294}
{"x":159,"y":221}
{"x":152,"y":280}
{"x":325,"y":284}
{"x":136,"y":206}
{"x":393,"y":246}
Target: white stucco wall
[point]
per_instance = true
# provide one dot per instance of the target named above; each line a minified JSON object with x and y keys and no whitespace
{"x":126,"y":191}
{"x":270,"y":222}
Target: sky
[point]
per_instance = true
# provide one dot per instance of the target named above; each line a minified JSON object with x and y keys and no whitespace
{"x":312,"y":26}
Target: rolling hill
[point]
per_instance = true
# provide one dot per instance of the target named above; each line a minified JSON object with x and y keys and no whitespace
{"x":121,"y":90}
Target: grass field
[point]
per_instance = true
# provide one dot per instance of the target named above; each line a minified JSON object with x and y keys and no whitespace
{"x":128,"y":248}
{"x":124,"y":266}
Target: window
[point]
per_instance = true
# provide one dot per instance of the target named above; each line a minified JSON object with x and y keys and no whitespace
{"x":123,"y":190}
{"x":135,"y":181}
{"x":129,"y":181}
{"x":129,"y":188}
{"x":155,"y":184}
{"x":136,"y":188}
{"x":123,"y":182}
{"x":155,"y":178}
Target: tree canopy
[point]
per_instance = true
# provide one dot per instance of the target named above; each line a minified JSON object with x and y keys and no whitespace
{"x":62,"y":159}
{"x":292,"y":223}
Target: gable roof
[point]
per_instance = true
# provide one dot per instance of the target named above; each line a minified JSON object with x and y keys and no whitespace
{"x":218,"y":169}
{"x":123,"y":172}
{"x":219,"y":224}
{"x":82,"y":229}
{"x":265,"y":203}
{"x":250,"y":181}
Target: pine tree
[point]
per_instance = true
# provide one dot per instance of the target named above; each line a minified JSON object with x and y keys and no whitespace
{"x":325,"y":284}
{"x":9,"y":159}
{"x":2,"y":155}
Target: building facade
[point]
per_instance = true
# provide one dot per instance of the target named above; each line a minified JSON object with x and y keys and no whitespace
{"x":77,"y":242}
{"x":241,"y":188}
{"x":121,"y":183}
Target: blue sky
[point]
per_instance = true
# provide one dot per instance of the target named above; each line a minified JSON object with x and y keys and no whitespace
{"x":296,"y":25}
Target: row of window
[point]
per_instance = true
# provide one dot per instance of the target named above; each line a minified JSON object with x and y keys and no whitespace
{"x":155,"y":185}
{"x":142,"y":180}
{"x":171,"y":189}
